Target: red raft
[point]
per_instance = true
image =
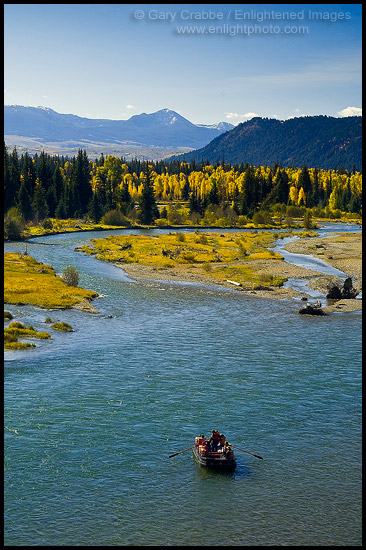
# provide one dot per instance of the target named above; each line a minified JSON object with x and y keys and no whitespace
{"x":221,"y":459}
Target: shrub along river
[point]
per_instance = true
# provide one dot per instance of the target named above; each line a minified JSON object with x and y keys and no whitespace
{"x":92,"y":416}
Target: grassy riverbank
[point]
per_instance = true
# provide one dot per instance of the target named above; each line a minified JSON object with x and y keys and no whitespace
{"x":53,"y":226}
{"x":237,"y":260}
{"x":27,"y":281}
{"x":240,"y":261}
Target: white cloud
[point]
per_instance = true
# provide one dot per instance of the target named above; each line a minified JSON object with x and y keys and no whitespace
{"x":235,"y":117}
{"x":350,"y":111}
{"x":130,"y":107}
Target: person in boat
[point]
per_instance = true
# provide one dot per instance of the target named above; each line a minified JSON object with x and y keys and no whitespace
{"x":214,"y":440}
{"x":222,"y":440}
{"x":227,"y":450}
{"x":206,"y":446}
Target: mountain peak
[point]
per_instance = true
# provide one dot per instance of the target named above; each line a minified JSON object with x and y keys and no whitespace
{"x":163,"y":128}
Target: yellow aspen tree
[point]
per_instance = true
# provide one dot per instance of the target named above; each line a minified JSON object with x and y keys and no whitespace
{"x":132,"y":190}
{"x":182,"y":182}
{"x":174,"y":186}
{"x":301,"y":198}
{"x":221,"y":182}
{"x":96,"y":182}
{"x":293,"y":195}
{"x":192,"y":180}
{"x":230,"y":184}
{"x":204,"y":186}
{"x":166,"y":188}
{"x":158,"y":186}
{"x":240,"y":182}
{"x":333,"y":199}
{"x":208,"y":169}
{"x":139,"y":189}
{"x":356,"y":183}
{"x":127,"y":178}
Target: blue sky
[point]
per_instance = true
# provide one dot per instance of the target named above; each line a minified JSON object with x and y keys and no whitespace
{"x":210,"y":63}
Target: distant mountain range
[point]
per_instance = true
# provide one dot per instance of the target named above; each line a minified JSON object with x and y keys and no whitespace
{"x":313,"y":141}
{"x":153,"y":135}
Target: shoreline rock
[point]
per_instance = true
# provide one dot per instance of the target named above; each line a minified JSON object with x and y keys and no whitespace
{"x":86,"y":306}
{"x":347,"y":291}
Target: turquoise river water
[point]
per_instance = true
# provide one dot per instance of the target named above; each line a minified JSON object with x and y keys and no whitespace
{"x":92,"y":416}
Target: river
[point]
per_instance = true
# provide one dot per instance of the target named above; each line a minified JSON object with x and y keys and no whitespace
{"x":92,"y":416}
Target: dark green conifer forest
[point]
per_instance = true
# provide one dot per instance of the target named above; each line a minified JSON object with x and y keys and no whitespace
{"x":52,"y":186}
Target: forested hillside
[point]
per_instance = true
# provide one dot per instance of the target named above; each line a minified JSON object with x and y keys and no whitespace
{"x":59,"y":187}
{"x":314,"y":141}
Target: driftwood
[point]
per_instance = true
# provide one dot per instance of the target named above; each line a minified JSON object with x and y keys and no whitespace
{"x":233,"y":282}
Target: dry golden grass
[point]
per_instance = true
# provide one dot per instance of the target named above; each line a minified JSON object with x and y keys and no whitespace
{"x":27,"y":281}
{"x":16,"y":330}
{"x":217,"y":256}
{"x":62,"y":226}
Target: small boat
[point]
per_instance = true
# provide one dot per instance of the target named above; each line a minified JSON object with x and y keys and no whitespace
{"x":221,"y":459}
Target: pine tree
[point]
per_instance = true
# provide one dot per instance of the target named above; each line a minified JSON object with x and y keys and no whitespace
{"x":195,"y":203}
{"x":125,"y":194}
{"x":95,"y":208}
{"x":282,"y":187}
{"x":185,"y":190}
{"x":148,"y":208}
{"x":57,"y":183}
{"x":28,"y":174}
{"x":125,"y":199}
{"x":213,"y":195}
{"x":305,"y":182}
{"x":8,"y":195}
{"x":12,"y":178}
{"x":315,"y":189}
{"x":24,"y":202}
{"x":81,"y":188}
{"x":60,"y":212}
{"x":39,"y":203}
{"x":44,"y":170}
{"x":248,"y":197}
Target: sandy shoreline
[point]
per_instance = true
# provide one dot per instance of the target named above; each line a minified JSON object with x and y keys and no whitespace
{"x":342,"y":252}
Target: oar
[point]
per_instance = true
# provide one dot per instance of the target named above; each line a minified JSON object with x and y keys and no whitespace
{"x":257,"y":456}
{"x":175,"y":454}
